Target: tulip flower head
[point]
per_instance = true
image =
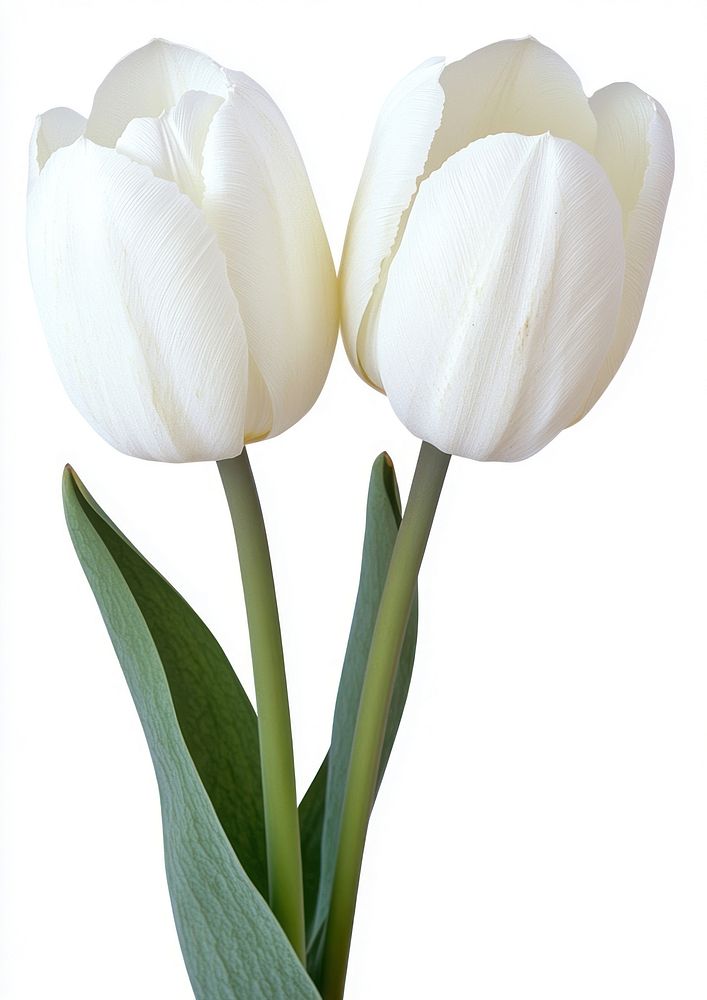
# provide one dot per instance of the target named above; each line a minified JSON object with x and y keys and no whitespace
{"x":500,"y":246}
{"x":180,"y":267}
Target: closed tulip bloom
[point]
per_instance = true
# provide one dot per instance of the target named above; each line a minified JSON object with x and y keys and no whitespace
{"x":500,"y":246}
{"x":182,"y":274}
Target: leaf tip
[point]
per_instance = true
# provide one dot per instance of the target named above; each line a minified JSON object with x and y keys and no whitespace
{"x":72,"y":487}
{"x":390,"y":483}
{"x":70,"y":479}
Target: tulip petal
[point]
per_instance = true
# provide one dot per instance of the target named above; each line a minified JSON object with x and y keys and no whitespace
{"x":635,"y":147}
{"x":503,"y":297}
{"x":259,"y":202}
{"x":133,"y":296}
{"x":53,"y":130}
{"x":396,"y":159}
{"x":172,"y":146}
{"x":511,"y":86}
{"x":146,"y":83}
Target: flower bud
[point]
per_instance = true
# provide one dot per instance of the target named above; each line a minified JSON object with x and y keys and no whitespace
{"x":180,"y":267}
{"x":500,"y":246}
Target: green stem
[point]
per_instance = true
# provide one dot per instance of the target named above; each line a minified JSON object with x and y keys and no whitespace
{"x":275,"y":732}
{"x":386,"y":643}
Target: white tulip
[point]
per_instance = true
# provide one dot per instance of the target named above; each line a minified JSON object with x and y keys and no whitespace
{"x":500,"y":246}
{"x":182,"y":274}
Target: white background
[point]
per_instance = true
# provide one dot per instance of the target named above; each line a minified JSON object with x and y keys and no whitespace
{"x":542,"y":830}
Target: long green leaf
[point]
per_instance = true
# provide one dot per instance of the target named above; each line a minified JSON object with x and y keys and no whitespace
{"x":311,"y":819}
{"x":320,"y":810}
{"x":202,"y":735}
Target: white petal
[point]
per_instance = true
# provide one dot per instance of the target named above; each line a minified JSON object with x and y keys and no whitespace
{"x":134,"y":299}
{"x":259,"y":202}
{"x":172,"y":146}
{"x":396,"y":159}
{"x":511,"y":86}
{"x":148,"y":82}
{"x":503,"y":296}
{"x":53,"y":130}
{"x":635,"y":147}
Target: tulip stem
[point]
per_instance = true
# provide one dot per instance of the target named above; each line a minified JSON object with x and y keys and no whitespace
{"x":275,"y":732}
{"x":383,"y":657}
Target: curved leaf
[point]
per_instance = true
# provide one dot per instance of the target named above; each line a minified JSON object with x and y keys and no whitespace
{"x":189,"y":700}
{"x":320,"y":810}
{"x":311,"y":818}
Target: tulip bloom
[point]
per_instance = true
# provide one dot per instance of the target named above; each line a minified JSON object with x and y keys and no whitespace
{"x":182,"y":274}
{"x":500,"y":246}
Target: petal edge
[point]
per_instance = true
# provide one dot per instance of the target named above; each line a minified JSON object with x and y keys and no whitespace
{"x":635,"y":146}
{"x":53,"y":130}
{"x":396,"y":159}
{"x":147,"y":82}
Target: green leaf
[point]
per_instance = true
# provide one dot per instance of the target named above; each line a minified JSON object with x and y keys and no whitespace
{"x":320,"y":810}
{"x":202,"y":735}
{"x":217,"y":721}
{"x":311,"y":818}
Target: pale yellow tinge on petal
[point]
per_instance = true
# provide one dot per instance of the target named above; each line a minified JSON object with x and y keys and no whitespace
{"x":53,"y":130}
{"x":396,"y":159}
{"x":635,"y":147}
{"x":259,"y":203}
{"x":512,"y":86}
{"x":172,"y":145}
{"x":146,"y":83}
